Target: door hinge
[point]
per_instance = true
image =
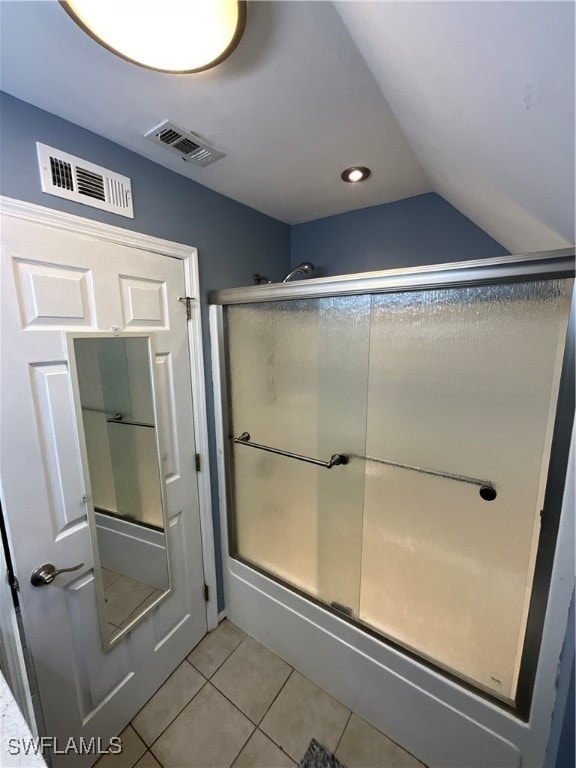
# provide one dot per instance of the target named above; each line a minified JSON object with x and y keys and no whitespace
{"x":13,"y":581}
{"x":206,"y":592}
{"x":188,"y":301}
{"x":197,"y":460}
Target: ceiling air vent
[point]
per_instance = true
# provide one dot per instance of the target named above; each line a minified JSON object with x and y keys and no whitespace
{"x":184,"y":143}
{"x":70,"y":177}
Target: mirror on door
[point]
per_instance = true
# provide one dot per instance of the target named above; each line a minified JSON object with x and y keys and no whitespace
{"x":117,"y":418}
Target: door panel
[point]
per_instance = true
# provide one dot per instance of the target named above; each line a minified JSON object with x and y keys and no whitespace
{"x":55,"y":281}
{"x":52,"y":295}
{"x":58,"y":443}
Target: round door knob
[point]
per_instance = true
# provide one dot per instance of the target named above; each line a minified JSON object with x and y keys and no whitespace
{"x":45,"y":574}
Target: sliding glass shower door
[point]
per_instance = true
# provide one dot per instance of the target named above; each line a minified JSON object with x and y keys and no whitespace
{"x":298,"y":383}
{"x":441,"y":403}
{"x":463,"y":383}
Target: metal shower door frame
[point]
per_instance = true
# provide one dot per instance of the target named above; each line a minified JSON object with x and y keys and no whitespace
{"x":550,"y":265}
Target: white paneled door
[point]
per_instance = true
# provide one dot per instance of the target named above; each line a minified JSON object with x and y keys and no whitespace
{"x":56,"y":280}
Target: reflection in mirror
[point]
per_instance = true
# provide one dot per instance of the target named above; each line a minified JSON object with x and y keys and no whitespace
{"x":116,"y":396}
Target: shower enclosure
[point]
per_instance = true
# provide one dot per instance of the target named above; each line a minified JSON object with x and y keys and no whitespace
{"x":387,"y":444}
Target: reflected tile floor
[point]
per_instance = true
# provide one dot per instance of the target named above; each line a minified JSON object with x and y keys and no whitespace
{"x":234,"y":704}
{"x":125,"y":599}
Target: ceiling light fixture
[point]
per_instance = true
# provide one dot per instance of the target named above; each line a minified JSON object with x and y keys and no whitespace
{"x":355,"y":174}
{"x":166,"y":35}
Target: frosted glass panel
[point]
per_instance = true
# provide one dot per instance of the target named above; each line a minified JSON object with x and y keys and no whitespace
{"x":432,"y":395}
{"x":135,"y":470}
{"x":462,"y":381}
{"x":298,"y":373}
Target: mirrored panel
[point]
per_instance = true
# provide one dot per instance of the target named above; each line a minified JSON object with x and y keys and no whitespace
{"x":114,"y":392}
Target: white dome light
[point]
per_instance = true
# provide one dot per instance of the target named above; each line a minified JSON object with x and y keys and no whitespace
{"x":167,"y":35}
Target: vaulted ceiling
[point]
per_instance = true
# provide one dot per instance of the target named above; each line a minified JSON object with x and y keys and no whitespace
{"x":474,"y":100}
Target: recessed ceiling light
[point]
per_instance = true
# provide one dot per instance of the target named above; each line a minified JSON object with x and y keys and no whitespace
{"x":167,"y":35}
{"x":355,"y":174}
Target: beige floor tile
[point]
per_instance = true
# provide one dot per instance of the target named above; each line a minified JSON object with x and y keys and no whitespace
{"x":210,"y":731}
{"x":167,"y":702}
{"x":123,"y":597}
{"x":132,"y":750}
{"x":147,"y":761}
{"x":301,"y":712}
{"x":156,"y":593}
{"x":362,"y":746}
{"x":111,"y":630}
{"x":215,"y":648}
{"x":109,"y":577}
{"x":260,"y":752}
{"x":251,"y":678}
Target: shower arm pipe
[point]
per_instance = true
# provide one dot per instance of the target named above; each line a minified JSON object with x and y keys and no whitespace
{"x":485,"y":485}
{"x":335,"y":460}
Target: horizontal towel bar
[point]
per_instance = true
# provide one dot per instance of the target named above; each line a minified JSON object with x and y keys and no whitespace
{"x":333,"y":461}
{"x":119,"y":420}
{"x":487,"y":487}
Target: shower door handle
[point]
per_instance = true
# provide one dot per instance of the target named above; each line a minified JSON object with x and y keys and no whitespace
{"x":335,"y":460}
{"x":487,"y":489}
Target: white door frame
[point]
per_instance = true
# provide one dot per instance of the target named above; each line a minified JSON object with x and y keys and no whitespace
{"x":189,"y":257}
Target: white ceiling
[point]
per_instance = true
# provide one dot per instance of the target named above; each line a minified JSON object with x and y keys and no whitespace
{"x":474,"y":100}
{"x":484,"y":92}
{"x":292,"y":107}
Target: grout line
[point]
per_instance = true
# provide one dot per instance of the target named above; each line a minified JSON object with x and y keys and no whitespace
{"x":171,"y":675}
{"x":143,"y":742}
{"x":252,"y":732}
{"x":343,"y":732}
{"x":280,"y":747}
{"x":278,"y":694}
{"x":174,"y":718}
{"x":234,"y":705}
{"x":223,"y":660}
{"x":256,"y":723}
{"x":140,"y":604}
{"x":230,"y":702}
{"x":267,"y":736}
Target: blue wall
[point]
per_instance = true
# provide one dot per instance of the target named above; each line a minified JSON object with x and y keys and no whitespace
{"x":566,"y":753}
{"x":561,"y":750}
{"x":233,"y":241}
{"x":413,"y":232}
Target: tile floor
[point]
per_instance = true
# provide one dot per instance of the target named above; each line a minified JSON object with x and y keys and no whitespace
{"x":125,"y":599}
{"x":234,"y":703}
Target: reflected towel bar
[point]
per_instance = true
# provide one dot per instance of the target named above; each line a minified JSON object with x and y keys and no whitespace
{"x":487,"y":488}
{"x":334,"y":460}
{"x":119,"y":420}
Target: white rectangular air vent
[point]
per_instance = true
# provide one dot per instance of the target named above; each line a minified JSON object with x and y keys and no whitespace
{"x":70,"y":177}
{"x":184,"y":143}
